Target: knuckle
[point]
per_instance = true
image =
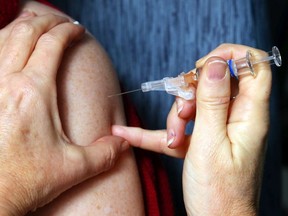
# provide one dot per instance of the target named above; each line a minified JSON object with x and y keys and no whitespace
{"x":258,"y":54}
{"x":228,"y":44}
{"x":25,"y":94}
{"x":53,"y":16}
{"x":215,"y":102}
{"x":23,"y":27}
{"x":110,"y":157}
{"x":22,"y":93}
{"x":163,"y":145}
{"x":51,"y":38}
{"x":224,"y":46}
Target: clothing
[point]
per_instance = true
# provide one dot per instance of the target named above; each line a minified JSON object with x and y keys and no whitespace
{"x":155,"y":183}
{"x":8,"y":11}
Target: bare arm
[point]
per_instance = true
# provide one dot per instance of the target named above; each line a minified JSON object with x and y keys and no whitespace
{"x":85,"y":78}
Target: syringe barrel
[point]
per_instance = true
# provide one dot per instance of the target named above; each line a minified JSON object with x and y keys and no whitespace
{"x":241,"y":66}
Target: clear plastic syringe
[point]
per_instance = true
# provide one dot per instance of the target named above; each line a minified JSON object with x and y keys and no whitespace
{"x":178,"y":86}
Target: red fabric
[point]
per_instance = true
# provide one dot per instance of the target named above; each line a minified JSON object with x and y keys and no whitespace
{"x":155,"y":185}
{"x":8,"y":11}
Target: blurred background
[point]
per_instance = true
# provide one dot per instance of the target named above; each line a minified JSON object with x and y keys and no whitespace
{"x":279,"y":29}
{"x":149,"y":40}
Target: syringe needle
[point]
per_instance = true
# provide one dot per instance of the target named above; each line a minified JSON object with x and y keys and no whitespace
{"x":122,"y":93}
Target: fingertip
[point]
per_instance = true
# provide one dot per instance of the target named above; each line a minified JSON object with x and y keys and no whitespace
{"x":124,"y":146}
{"x":78,"y":24}
{"x":214,"y":81}
{"x":200,"y":62}
{"x":186,"y":108}
{"x":216,"y":69}
{"x":80,"y":30}
{"x":176,"y":134}
{"x":179,"y":104}
{"x":176,"y":124}
{"x":117,"y":144}
{"x":117,"y":130}
{"x":171,"y":137}
{"x":175,"y":142}
{"x":102,"y":154}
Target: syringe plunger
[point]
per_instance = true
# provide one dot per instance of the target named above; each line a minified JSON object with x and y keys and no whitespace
{"x":246,"y":64}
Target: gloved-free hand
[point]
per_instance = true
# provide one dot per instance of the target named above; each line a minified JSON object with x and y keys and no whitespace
{"x":224,"y":153}
{"x":38,"y":161}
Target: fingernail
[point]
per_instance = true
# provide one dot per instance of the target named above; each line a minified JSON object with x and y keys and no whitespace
{"x":171,"y":137}
{"x":76,"y":22}
{"x":179,"y":105}
{"x":125,"y":145}
{"x":216,"y":70}
{"x":199,"y":60}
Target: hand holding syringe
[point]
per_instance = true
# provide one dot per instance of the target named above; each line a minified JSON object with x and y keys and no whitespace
{"x":178,"y":86}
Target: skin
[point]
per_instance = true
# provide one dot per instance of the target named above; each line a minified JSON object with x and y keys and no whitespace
{"x":49,"y":161}
{"x":224,"y":154}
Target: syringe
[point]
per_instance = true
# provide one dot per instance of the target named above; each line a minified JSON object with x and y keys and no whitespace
{"x":178,"y":86}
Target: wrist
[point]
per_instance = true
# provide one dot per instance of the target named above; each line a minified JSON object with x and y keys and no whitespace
{"x":219,"y":204}
{"x":10,"y":203}
{"x":231,"y":210}
{"x":218,"y":200}
{"x":4,"y":210}
{"x":7,"y":208}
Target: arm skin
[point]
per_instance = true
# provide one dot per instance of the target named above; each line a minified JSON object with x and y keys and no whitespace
{"x":62,"y":151}
{"x":224,"y":154}
{"x":85,"y":78}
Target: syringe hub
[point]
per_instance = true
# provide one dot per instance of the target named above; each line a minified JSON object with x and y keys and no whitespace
{"x":157,"y":85}
{"x":172,"y":85}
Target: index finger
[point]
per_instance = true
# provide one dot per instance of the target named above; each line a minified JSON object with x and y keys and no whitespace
{"x":21,"y":41}
{"x":155,"y":141}
{"x":47,"y":55}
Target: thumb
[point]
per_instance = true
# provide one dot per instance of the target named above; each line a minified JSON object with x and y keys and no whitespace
{"x":87,"y":161}
{"x":213,"y":98}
